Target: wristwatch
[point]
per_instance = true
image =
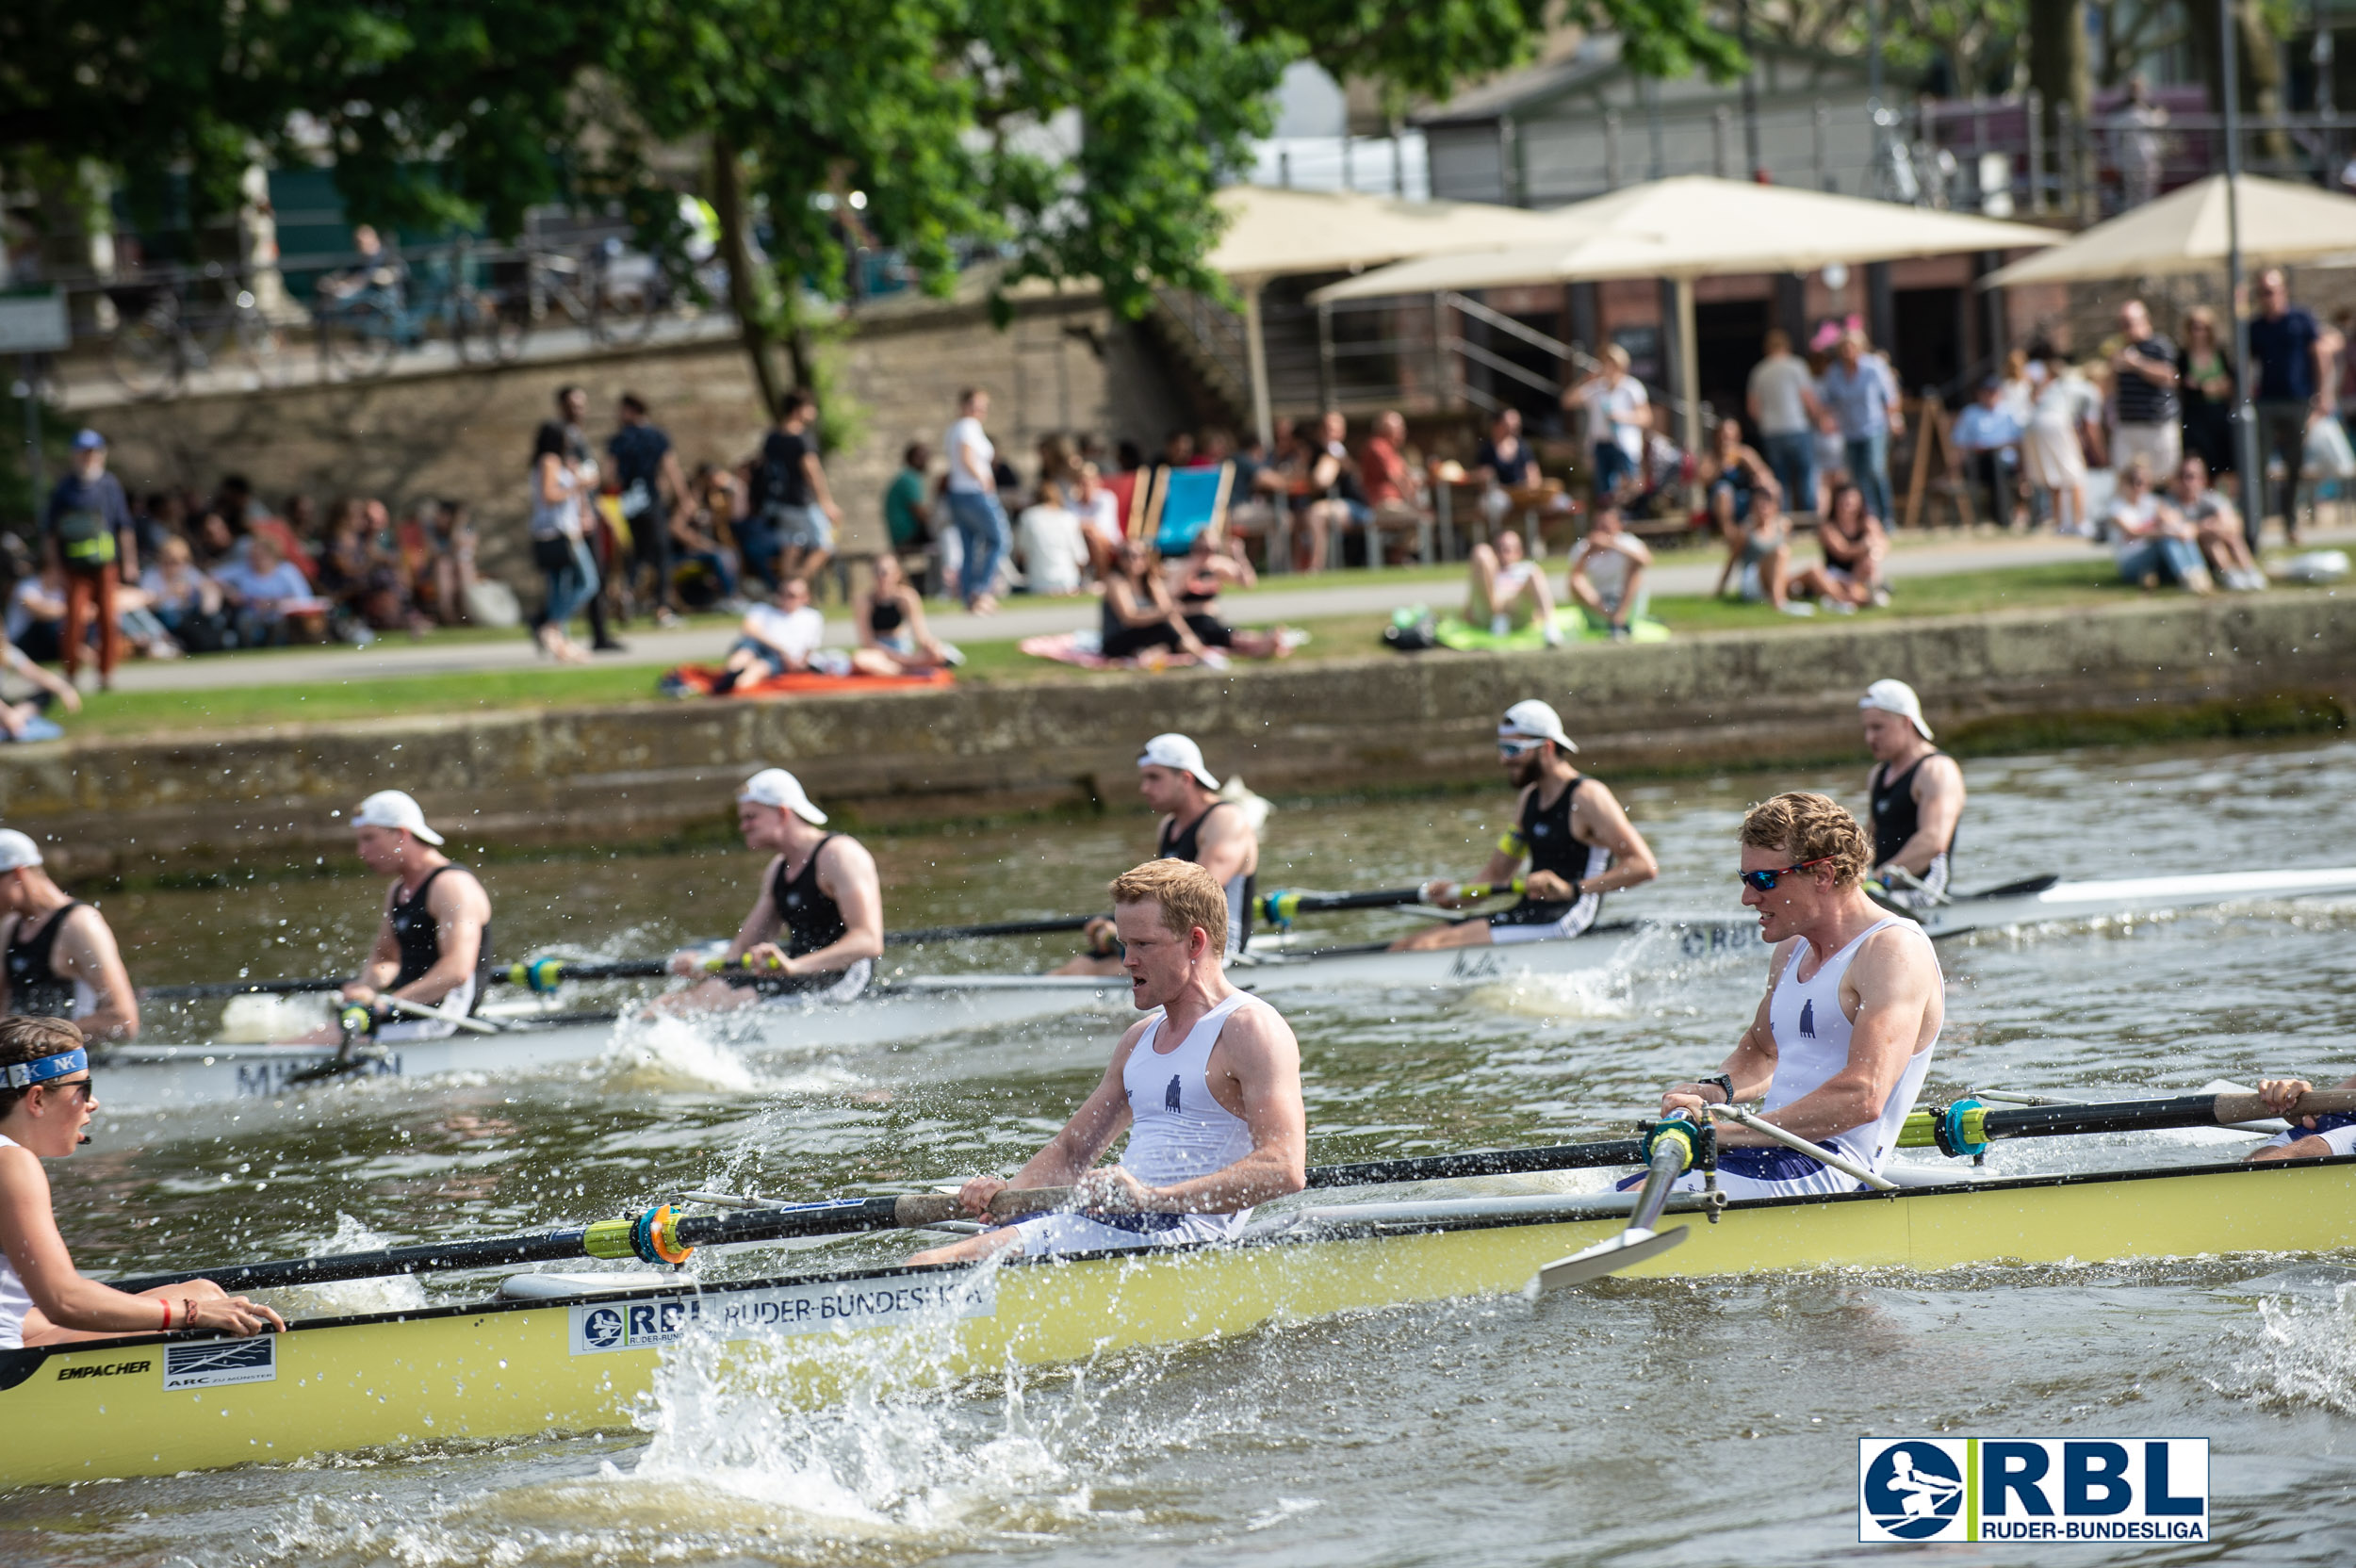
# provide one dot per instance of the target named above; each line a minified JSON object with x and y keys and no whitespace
{"x":1725,"y":1082}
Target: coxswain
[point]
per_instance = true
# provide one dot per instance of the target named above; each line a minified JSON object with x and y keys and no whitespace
{"x":432,"y":948}
{"x":46,"y":1100}
{"x":62,"y":962}
{"x":1579,"y":843}
{"x":820,"y":893}
{"x":1197,"y":825}
{"x":2308,"y":1138}
{"x":1839,"y":1047}
{"x":1917,"y":796}
{"x":1207,"y":1086}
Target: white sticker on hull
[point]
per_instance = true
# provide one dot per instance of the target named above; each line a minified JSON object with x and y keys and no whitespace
{"x":599,"y":1327}
{"x":217,"y":1363}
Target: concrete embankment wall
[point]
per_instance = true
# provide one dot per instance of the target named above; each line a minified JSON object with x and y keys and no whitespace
{"x":650,"y":771}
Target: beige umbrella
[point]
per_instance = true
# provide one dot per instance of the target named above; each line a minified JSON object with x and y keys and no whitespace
{"x":2185,"y":231}
{"x":1272,"y":233}
{"x":1694,"y":226}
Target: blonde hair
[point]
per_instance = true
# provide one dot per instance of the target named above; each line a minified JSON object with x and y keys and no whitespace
{"x":1189,"y":895}
{"x":1810,"y":826}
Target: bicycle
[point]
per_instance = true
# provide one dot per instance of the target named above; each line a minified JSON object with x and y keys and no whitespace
{"x":155,"y":351}
{"x":360,"y":332}
{"x":613,"y":293}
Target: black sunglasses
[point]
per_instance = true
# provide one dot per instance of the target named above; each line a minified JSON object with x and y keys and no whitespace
{"x":1765,"y":880}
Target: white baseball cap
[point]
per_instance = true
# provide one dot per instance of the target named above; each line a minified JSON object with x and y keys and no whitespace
{"x":17,"y":851}
{"x":1532,"y":720}
{"x":394,"y":809}
{"x":1896,"y":697}
{"x":1176,"y":751}
{"x":775,"y":787}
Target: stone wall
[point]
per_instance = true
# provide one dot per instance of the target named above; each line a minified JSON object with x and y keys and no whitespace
{"x":647,"y":771}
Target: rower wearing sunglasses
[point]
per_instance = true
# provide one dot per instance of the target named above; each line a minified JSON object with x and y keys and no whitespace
{"x":1579,"y":843}
{"x":1839,"y":1045}
{"x":46,"y":1099}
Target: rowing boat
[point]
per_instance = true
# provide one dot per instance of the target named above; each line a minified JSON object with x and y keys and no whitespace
{"x":897,"y":1010}
{"x":2047,"y":899}
{"x":553,"y":1353}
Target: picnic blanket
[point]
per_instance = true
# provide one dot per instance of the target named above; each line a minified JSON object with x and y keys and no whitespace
{"x":698,"y":680}
{"x":1079,"y":650}
{"x":1454,"y":632}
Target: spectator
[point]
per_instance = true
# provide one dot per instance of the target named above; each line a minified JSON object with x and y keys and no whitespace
{"x":2204,"y":392}
{"x":1618,"y":416}
{"x":452,"y":565}
{"x":1507,"y":590}
{"x":1861,"y":396}
{"x":2292,"y":359}
{"x":1505,"y":459}
{"x":1257,"y":496}
{"x":188,"y":603}
{"x":654,"y":492}
{"x":27,"y":720}
{"x":572,"y":415}
{"x":1989,"y":440}
{"x":1659,"y":478}
{"x":1140,"y":613}
{"x":88,"y":532}
{"x":2022,"y":381}
{"x":790,"y":495}
{"x":2053,"y":449}
{"x":269,"y":601}
{"x":893,"y":636}
{"x":974,"y":503}
{"x":696,"y":538}
{"x":2215,"y":527}
{"x":2146,"y":419}
{"x":1607,"y":576}
{"x":1781,"y":401}
{"x":234,"y":499}
{"x":1339,"y":498}
{"x":1734,"y":472}
{"x":1103,"y":528}
{"x":2151,"y":540}
{"x":905,"y":521}
{"x":558,"y":547}
{"x":1830,"y":453}
{"x":357,"y":574}
{"x":1053,"y":543}
{"x":37,"y":606}
{"x":774,"y":638}
{"x":1058,"y":460}
{"x":211,"y":540}
{"x":160,"y":516}
{"x":1198,"y":579}
{"x":1393,"y":488}
{"x":303,"y":521}
{"x":1854,"y":544}
{"x":1758,"y":557}
{"x":2139,"y":142}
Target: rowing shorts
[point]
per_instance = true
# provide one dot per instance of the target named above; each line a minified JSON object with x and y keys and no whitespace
{"x":1934,"y":888}
{"x":1768,"y":1173}
{"x":1050,"y":1234}
{"x":2339,"y":1132}
{"x":459,"y":1002}
{"x":1515,"y":924}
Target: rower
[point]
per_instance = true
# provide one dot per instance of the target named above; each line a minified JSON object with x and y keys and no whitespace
{"x":820,"y":893}
{"x":46,"y":1100}
{"x":1197,"y":825}
{"x":61,"y":957}
{"x":1207,"y":1087}
{"x":1844,"y":1036}
{"x":1578,"y":842}
{"x":432,"y":947}
{"x":2310,"y":1136}
{"x":1917,"y":799}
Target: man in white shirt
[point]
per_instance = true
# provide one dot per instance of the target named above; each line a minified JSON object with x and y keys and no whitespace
{"x":2149,"y":538}
{"x":1619,"y":415}
{"x":1053,"y":548}
{"x":774,"y":638}
{"x":1607,"y":575}
{"x":1784,"y":415}
{"x":974,"y":504}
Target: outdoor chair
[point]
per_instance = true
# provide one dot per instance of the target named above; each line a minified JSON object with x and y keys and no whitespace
{"x":1187,"y":504}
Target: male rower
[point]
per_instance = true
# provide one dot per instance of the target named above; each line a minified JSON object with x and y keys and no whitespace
{"x":1917,"y":796}
{"x":820,"y":893}
{"x":1578,"y":842}
{"x":432,"y":947}
{"x":46,"y":1099}
{"x":1198,"y":825}
{"x":2309,"y":1137}
{"x":61,"y":958}
{"x":1207,"y":1087}
{"x":1843,"y":1038}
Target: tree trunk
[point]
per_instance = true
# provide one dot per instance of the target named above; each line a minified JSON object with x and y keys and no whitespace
{"x":745,"y":290}
{"x":2058,"y":70}
{"x":2260,"y":61}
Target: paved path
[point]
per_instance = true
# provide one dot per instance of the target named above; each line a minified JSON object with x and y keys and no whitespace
{"x":1376,"y":593}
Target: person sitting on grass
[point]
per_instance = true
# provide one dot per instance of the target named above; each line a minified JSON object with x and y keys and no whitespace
{"x":1759,"y":556}
{"x":188,"y":603}
{"x":1208,"y":568}
{"x":1734,"y":472}
{"x":26,"y":720}
{"x":774,"y":638}
{"x":893,"y":636}
{"x":1141,"y":614}
{"x":2149,"y":538}
{"x":268,"y":598}
{"x":1851,"y":537}
{"x":2215,"y":527}
{"x":1606,"y":577}
{"x":1509,"y":591}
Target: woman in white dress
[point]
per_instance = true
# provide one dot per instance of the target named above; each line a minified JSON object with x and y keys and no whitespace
{"x":2062,"y":429}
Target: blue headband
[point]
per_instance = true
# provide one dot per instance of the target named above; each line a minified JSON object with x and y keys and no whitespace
{"x":24,"y":1075}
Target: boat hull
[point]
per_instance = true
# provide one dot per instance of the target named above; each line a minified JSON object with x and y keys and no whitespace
{"x":2130,"y":898}
{"x":504,"y":1370}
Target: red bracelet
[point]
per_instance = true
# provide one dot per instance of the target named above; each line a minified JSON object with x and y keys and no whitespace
{"x":166,"y":1303}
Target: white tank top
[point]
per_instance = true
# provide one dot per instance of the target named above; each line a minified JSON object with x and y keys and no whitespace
{"x":559,"y":519}
{"x":14,"y":1302}
{"x":1177,"y":1129}
{"x":1813,"y":1044}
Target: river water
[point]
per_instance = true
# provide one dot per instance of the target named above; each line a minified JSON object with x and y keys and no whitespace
{"x":1640,"y":1422}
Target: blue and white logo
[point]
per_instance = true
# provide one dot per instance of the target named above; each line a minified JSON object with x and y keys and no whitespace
{"x":1913,"y":1491}
{"x":601,"y":1327}
{"x":2042,"y":1488}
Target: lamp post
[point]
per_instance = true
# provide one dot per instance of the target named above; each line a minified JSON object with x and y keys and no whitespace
{"x":2247,"y":456}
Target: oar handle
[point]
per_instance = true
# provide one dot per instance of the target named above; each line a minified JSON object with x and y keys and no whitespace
{"x":1813,"y":1150}
{"x":1967,"y":1127}
{"x":1280,"y":906}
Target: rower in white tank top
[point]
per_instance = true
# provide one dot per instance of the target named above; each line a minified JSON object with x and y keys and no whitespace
{"x":1177,"y":1132}
{"x":15,"y":1301}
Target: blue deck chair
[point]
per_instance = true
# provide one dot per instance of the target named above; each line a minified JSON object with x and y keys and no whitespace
{"x":1187,"y":504}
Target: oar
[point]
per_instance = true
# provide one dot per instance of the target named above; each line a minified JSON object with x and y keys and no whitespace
{"x":663,"y":1236}
{"x":1816,"y":1152}
{"x":1672,"y":1146}
{"x":1280,"y":906}
{"x":1967,"y":1127}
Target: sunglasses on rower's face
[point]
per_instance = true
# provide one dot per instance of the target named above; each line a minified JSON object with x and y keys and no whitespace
{"x":85,"y":1086}
{"x":1510,"y":750}
{"x":1765,"y":880}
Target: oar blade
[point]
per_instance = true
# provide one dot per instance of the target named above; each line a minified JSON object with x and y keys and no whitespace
{"x":1624,"y":1250}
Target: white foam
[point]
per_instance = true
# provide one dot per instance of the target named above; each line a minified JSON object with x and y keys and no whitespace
{"x":667,"y":1053}
{"x":351,"y":1297}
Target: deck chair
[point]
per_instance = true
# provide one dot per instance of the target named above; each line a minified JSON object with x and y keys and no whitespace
{"x":1187,"y":503}
{"x":1128,"y":493}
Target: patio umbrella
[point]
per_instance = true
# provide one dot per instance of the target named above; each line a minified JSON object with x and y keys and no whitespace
{"x":2185,"y":231}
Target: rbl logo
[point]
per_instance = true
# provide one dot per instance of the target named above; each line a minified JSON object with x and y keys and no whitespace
{"x":2033,"y":1489}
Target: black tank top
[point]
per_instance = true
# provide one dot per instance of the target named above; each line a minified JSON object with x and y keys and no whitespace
{"x":35,"y":989}
{"x":1839,"y":548}
{"x":1183,"y":843}
{"x":811,"y":920}
{"x":418,"y":936}
{"x":884,"y":617}
{"x":1896,"y":818}
{"x":1547,"y":836}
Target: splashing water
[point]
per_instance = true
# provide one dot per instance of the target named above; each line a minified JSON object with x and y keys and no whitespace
{"x":351,"y":1297}
{"x":2300,"y":1354}
{"x":670,"y":1054}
